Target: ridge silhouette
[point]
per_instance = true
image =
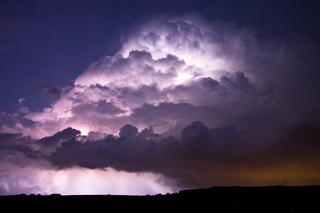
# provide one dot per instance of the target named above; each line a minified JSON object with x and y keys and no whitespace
{"x":215,"y":199}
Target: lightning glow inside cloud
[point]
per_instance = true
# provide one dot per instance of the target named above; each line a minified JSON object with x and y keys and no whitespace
{"x":152,"y":64}
{"x":45,"y":180}
{"x":219,"y":104}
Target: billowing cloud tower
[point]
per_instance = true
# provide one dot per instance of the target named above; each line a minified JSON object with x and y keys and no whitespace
{"x":183,"y":103}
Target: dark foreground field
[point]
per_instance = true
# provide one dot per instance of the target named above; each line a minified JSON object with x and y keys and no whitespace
{"x":216,"y":199}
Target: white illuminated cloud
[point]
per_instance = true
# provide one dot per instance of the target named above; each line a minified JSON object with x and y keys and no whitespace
{"x":81,"y":181}
{"x":161,"y":56}
{"x":165,"y":52}
{"x":108,"y":181}
{"x":189,"y":41}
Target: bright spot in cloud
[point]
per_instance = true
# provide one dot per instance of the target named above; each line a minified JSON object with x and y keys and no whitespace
{"x":183,"y":78}
{"x":152,"y":63}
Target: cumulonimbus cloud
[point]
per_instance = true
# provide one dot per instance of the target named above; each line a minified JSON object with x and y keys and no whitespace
{"x":167,"y":60}
{"x":255,"y":100}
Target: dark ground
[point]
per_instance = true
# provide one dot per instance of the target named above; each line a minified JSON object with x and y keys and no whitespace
{"x":216,"y":199}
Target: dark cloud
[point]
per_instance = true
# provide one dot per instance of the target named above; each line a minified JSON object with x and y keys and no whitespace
{"x":201,"y":157}
{"x":303,"y":138}
{"x":15,"y":148}
{"x":173,"y":115}
{"x":128,"y":131}
{"x":50,"y":90}
{"x":210,"y":83}
{"x":100,"y":107}
{"x":59,"y":137}
{"x":238,"y":81}
{"x":197,"y":131}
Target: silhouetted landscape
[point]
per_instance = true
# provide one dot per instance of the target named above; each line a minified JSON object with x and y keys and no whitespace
{"x":215,"y":199}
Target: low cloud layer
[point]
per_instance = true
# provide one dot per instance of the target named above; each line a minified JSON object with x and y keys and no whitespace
{"x":222,"y":106}
{"x":200,"y":157}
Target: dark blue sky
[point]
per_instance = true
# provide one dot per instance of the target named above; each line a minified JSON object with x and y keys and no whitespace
{"x":52,"y":42}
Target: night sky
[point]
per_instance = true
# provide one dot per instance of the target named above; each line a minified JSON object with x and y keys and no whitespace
{"x":146,"y":97}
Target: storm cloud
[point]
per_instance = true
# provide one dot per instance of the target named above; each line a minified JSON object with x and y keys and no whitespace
{"x":194,"y":102}
{"x":172,"y":71}
{"x":199,"y":157}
